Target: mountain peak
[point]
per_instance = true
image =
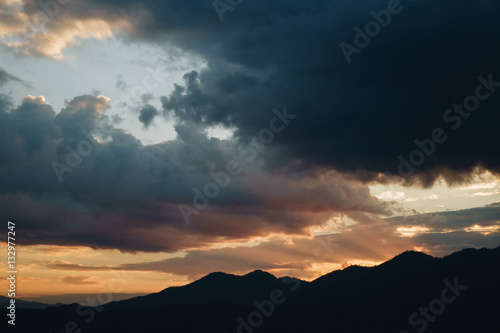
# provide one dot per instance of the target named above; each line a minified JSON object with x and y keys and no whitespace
{"x":260,"y":273}
{"x":215,"y":275}
{"x":412,"y":255}
{"x":259,"y":276}
{"x":410,"y":258}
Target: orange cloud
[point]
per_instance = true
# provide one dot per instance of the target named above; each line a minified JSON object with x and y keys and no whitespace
{"x":47,"y":32}
{"x":79,"y":280}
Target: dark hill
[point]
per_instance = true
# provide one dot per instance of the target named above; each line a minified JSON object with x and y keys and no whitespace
{"x":215,"y":287}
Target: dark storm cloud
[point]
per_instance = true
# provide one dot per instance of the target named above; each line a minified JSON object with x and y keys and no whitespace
{"x":86,"y":182}
{"x":354,"y":117}
{"x":358,"y":117}
{"x":147,"y":114}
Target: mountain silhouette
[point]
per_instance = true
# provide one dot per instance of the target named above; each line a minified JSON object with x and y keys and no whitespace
{"x":413,"y":292}
{"x":20,"y":304}
{"x":215,"y":287}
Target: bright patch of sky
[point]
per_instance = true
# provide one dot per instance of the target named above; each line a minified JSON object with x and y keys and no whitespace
{"x":484,"y":190}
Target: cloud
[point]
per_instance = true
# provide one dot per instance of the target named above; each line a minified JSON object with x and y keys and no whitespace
{"x":299,"y":259}
{"x":79,"y":280}
{"x":436,"y":234}
{"x":307,"y":257}
{"x":68,"y":266}
{"x":396,"y":91}
{"x":6,"y":77}
{"x":148,"y":114}
{"x":120,"y":83}
{"x":12,"y":20}
{"x":360,"y":243}
{"x":47,"y":28}
{"x":452,"y":220}
{"x":118,"y":190}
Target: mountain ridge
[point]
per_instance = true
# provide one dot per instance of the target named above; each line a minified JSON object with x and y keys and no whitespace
{"x":356,"y":299}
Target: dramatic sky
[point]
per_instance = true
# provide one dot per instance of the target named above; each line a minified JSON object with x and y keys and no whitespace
{"x":158,"y":141}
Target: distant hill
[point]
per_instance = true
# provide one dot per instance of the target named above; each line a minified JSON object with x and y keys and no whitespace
{"x":412,"y":292}
{"x":20,"y":304}
{"x":79,"y":298}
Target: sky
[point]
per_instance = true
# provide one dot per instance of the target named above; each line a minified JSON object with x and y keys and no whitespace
{"x":154,"y":142}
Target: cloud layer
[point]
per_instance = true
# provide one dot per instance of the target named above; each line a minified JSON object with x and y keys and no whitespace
{"x":73,"y":178}
{"x":88,"y":183}
{"x":358,"y":117}
{"x":437,"y":234}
